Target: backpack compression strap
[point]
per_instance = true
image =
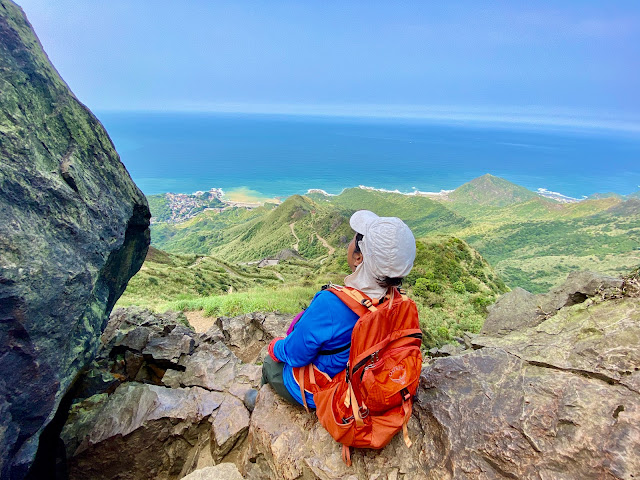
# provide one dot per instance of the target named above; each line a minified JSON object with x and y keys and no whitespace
{"x":357,"y":301}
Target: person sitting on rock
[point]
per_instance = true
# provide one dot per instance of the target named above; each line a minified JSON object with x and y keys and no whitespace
{"x":380,"y":254}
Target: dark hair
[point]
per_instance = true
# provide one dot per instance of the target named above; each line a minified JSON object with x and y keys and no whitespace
{"x":359,"y":237}
{"x":387,"y":282}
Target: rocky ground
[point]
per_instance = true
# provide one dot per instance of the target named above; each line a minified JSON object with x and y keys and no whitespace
{"x":556,"y":396}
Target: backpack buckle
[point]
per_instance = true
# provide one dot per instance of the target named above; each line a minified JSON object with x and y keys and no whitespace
{"x":366,"y":302}
{"x":405,"y":394}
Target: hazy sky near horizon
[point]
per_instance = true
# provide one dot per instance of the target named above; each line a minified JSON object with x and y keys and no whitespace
{"x":576,"y":57}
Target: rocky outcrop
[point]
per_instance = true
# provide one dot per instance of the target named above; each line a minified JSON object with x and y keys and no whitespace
{"x":73,"y":230}
{"x":286,"y":442}
{"x":559,"y":399}
{"x":519,"y":309}
{"x":158,"y":387}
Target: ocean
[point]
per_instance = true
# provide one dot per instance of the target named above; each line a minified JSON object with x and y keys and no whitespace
{"x":280,"y":155}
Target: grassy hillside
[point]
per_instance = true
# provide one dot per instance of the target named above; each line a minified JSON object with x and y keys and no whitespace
{"x":166,"y":277}
{"x":240,"y":235}
{"x":490,"y":190}
{"x":450,"y":282}
{"x":533,"y":242}
{"x":452,"y":285}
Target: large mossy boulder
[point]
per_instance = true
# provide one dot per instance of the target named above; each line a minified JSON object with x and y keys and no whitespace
{"x":73,"y":230}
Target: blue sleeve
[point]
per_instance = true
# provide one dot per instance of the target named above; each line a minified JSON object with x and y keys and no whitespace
{"x":314,"y":328}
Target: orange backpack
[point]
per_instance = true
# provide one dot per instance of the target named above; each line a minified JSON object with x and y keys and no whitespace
{"x":370,"y":401}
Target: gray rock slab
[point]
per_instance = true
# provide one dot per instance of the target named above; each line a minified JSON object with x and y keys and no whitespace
{"x":213,"y":367}
{"x":222,"y":471}
{"x":231,"y":421}
{"x":513,"y":310}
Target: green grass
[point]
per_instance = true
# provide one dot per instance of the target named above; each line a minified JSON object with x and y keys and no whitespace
{"x":289,"y":299}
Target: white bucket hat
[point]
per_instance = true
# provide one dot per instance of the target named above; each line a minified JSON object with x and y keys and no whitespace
{"x":388,"y":246}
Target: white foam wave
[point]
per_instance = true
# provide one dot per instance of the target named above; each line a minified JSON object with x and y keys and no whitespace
{"x":414,"y":193}
{"x":543,"y":192}
{"x":320,"y":191}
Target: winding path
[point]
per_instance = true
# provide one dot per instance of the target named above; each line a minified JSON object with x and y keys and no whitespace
{"x":295,"y":245}
{"x":326,"y":244}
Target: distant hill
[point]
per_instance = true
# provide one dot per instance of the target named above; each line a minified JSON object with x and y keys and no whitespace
{"x":490,"y":190}
{"x":597,"y":196}
{"x":422,"y":214}
{"x":532,"y":241}
{"x":298,"y":223}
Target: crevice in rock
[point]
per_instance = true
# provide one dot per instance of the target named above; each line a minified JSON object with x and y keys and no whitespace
{"x":584,"y":373}
{"x":576,"y":298}
{"x":498,"y":468}
{"x":51,"y":460}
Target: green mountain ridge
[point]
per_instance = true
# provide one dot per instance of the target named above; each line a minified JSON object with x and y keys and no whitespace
{"x":532,"y":241}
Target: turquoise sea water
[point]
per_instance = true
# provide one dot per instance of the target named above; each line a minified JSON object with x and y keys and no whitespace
{"x":279,"y":155}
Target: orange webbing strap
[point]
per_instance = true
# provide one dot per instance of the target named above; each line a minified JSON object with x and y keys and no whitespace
{"x":346,"y":455}
{"x":355,"y":408}
{"x":353,"y":299}
{"x":407,"y":413}
{"x":359,"y":297}
{"x":302,"y":392}
{"x":312,"y":375}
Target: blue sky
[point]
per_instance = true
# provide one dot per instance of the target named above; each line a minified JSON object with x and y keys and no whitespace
{"x":568,"y":59}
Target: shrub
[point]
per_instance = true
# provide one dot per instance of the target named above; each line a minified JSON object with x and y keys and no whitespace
{"x":470,"y":286}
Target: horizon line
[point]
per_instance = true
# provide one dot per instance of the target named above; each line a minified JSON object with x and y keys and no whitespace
{"x":514,"y":116}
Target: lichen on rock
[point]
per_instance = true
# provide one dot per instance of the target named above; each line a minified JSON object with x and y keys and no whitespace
{"x":73,"y":230}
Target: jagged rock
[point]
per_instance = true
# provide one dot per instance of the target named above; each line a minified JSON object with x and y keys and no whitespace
{"x":172,"y":378}
{"x":136,"y":339}
{"x":445,"y":351}
{"x":520,"y":309}
{"x":73,"y":230}
{"x":239,"y":331}
{"x":275,"y":325}
{"x":213,"y":367}
{"x":576,"y":289}
{"x":285,"y":442}
{"x":490,"y":414}
{"x":556,"y":400}
{"x":223,"y":471}
{"x":230,"y":423}
{"x":601,"y":341}
{"x":213,"y":335}
{"x":468,"y":337}
{"x":125,"y":320}
{"x":170,"y":348}
{"x":140,"y":431}
{"x":512,"y":311}
{"x":247,"y":334}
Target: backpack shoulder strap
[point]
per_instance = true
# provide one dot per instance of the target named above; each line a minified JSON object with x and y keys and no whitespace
{"x":357,"y":301}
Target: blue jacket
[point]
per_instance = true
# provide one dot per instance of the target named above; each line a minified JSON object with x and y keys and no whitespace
{"x":326,"y":325}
